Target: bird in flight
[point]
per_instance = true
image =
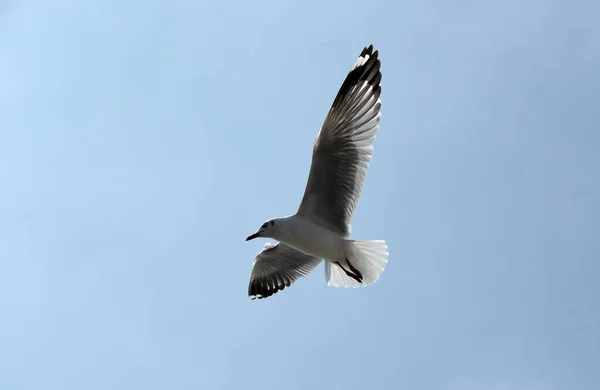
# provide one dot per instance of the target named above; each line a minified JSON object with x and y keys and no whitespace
{"x":320,"y":229}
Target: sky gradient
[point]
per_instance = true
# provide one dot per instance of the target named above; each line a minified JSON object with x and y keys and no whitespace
{"x":142,"y":141}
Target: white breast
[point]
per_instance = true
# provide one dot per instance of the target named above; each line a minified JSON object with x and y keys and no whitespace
{"x":312,"y":239}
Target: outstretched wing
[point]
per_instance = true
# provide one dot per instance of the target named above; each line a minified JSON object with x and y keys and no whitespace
{"x":343,"y":148}
{"x":277,"y":267}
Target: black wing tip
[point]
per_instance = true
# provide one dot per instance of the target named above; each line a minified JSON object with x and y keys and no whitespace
{"x":362,"y":70}
{"x":368,"y":50}
{"x":261,"y":289}
{"x":366,"y":70}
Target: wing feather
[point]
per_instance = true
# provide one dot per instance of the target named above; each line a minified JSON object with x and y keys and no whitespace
{"x":277,"y":267}
{"x":344,"y":146}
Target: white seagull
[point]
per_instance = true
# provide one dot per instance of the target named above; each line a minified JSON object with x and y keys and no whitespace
{"x":320,"y":229}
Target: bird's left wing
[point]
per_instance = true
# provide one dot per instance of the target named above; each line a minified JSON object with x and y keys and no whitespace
{"x":277,"y":267}
{"x":343,"y":149}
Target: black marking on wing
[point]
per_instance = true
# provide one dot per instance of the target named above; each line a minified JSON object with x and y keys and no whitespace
{"x":334,"y":148}
{"x":277,"y":267}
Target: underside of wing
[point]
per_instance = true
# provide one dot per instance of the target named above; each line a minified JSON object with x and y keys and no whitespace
{"x":276,"y":267}
{"x":344,"y":146}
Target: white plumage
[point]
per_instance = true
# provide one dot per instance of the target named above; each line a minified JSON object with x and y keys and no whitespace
{"x":320,"y":229}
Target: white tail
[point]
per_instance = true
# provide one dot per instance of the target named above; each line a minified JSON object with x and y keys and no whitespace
{"x":365,"y":262}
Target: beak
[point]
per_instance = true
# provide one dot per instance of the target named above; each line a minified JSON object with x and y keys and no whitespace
{"x":253,"y":236}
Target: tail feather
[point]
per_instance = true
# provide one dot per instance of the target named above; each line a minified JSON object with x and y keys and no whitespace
{"x":365,"y":262}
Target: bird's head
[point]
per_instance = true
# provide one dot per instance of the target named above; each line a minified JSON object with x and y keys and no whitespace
{"x":266,"y":230}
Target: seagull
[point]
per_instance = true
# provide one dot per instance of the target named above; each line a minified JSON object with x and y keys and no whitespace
{"x":320,"y":229}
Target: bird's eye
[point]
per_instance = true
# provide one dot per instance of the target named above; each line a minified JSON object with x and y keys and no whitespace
{"x":272,"y":223}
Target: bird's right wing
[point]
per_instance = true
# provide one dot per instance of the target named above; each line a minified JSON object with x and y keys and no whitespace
{"x":343,"y":148}
{"x":277,"y":267}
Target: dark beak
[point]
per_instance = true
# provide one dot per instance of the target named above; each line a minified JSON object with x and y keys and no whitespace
{"x":253,"y":236}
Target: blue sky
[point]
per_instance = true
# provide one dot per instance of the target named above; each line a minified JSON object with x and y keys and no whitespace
{"x":142,"y":141}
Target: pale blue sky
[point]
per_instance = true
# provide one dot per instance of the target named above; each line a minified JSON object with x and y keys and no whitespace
{"x":142,"y":141}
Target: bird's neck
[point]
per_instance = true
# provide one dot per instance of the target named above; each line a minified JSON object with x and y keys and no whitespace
{"x":286,"y":227}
